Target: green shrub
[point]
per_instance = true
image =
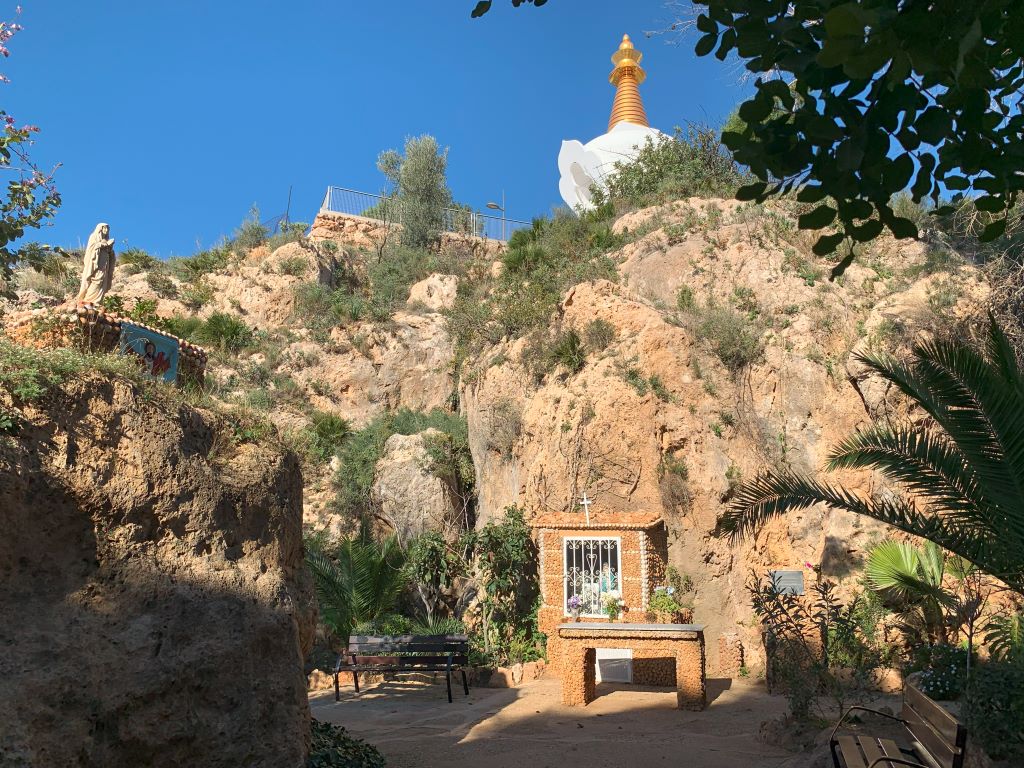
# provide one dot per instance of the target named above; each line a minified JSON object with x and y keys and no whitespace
{"x":327,"y":433}
{"x":734,"y":338}
{"x":659,"y":389}
{"x":542,"y":263}
{"x":225,"y":332}
{"x":525,"y":258}
{"x":507,"y":558}
{"x":250,"y":234}
{"x":691,"y":163}
{"x":599,"y":335}
{"x":568,"y":351}
{"x":259,"y":399}
{"x":314,"y":303}
{"x":296,"y":265}
{"x":197,"y":294}
{"x":943,"y":670}
{"x":663,"y":599}
{"x":392,"y":276}
{"x":332,"y":747}
{"x":137,"y":260}
{"x":161,"y":284}
{"x":183,"y":326}
{"x":28,"y":373}
{"x":192,"y":268}
{"x":635,"y":378}
{"x":993,"y":708}
{"x":685,"y":301}
{"x":144,"y":312}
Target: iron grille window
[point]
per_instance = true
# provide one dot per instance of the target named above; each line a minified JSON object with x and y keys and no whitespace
{"x":592,"y":572}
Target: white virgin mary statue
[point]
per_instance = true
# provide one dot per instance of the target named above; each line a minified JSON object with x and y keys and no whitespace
{"x":98,"y":268}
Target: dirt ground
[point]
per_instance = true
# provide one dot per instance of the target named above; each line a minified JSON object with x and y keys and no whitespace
{"x":527,"y":727}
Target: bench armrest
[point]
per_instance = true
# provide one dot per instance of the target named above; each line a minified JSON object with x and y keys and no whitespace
{"x":896,"y":761}
{"x":846,"y":714}
{"x":338,"y":663}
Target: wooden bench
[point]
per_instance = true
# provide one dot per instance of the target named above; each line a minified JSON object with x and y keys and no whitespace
{"x":937,"y":739}
{"x":404,"y":653}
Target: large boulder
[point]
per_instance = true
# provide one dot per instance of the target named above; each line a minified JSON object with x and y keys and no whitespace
{"x":156,"y":608}
{"x":409,"y":496}
{"x":435,"y":292}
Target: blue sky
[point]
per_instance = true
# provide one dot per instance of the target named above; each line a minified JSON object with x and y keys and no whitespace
{"x":170,"y":119}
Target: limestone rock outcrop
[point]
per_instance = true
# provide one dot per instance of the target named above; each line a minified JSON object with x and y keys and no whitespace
{"x":156,"y":610}
{"x":435,"y":292}
{"x":371,"y":368}
{"x":409,"y":496}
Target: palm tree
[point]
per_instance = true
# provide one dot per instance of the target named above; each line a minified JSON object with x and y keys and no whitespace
{"x":360,"y":583}
{"x":960,"y":475}
{"x":909,"y":579}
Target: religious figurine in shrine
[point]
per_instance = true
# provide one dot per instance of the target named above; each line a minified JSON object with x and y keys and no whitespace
{"x":98,"y":266}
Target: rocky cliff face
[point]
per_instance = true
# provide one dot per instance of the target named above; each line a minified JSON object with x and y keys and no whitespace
{"x":723,"y":348}
{"x":155,"y":609}
{"x":655,"y":419}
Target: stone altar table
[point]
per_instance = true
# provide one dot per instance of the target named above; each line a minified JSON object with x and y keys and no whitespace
{"x":652,"y":642}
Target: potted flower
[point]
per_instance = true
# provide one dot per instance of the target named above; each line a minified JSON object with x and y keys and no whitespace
{"x":613,"y":605}
{"x":575,"y":603}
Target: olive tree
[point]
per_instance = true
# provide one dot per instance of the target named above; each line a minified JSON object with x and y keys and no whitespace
{"x":419,"y":189}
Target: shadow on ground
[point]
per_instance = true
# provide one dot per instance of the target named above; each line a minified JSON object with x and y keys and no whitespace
{"x":527,"y":727}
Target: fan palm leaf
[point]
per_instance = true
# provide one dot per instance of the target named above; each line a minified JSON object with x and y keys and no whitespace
{"x":960,"y":476}
{"x":909,"y":580}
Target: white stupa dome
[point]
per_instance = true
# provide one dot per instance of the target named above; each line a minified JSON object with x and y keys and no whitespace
{"x":584,"y":166}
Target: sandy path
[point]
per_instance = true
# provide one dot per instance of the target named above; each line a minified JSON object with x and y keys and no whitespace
{"x":527,"y":727}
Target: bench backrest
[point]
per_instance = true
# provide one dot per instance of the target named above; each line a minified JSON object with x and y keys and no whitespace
{"x":934,"y":729}
{"x":410,"y":647}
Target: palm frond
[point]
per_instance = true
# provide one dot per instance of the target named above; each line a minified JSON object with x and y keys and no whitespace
{"x":362,"y":584}
{"x":901,"y":570}
{"x":926,"y":463}
{"x":1005,"y":637}
{"x":936,"y":383}
{"x":333,"y":591}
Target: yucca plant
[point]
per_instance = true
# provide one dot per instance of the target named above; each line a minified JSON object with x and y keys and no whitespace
{"x":959,"y":476}
{"x":359,"y":582}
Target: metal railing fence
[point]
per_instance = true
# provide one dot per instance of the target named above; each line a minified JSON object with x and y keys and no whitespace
{"x":355,"y":203}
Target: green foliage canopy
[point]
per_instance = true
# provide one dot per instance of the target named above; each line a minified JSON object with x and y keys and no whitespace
{"x":419,"y":188}
{"x":31,"y":195}
{"x":859,"y":100}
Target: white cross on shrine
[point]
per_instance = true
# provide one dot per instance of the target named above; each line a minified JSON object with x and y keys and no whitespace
{"x":585,"y":503}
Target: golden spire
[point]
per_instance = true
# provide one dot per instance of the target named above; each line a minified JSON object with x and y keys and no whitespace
{"x":626,"y":76}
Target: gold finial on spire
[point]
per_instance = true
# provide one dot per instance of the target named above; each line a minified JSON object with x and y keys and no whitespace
{"x":626,"y":77}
